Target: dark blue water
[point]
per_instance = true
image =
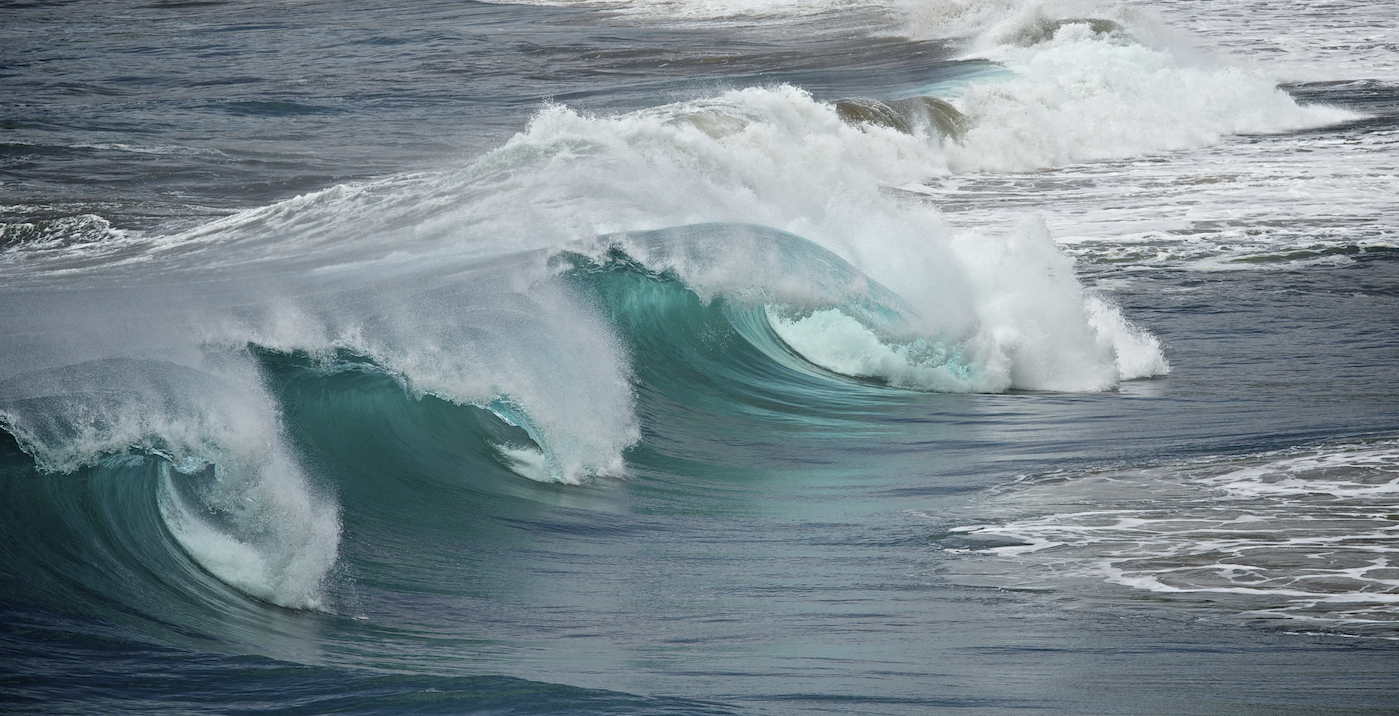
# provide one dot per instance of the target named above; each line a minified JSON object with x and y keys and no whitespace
{"x":490,"y":358}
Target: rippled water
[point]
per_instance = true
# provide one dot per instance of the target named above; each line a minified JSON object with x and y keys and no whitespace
{"x":687,"y":356}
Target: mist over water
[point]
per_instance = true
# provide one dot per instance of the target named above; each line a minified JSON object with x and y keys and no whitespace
{"x":698,"y":357}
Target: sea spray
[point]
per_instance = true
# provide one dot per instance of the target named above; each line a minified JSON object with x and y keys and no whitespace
{"x":231,"y":496}
{"x":1025,"y":322}
{"x":1096,"y":81}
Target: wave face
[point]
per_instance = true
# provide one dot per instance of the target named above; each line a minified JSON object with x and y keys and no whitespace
{"x":726,"y":351}
{"x":837,"y":318}
{"x":260,"y":529}
{"x":546,"y":344}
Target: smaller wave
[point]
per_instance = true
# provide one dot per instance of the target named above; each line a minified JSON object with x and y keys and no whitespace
{"x":700,"y":347}
{"x":94,"y":542}
{"x":232,"y":497}
{"x":794,"y":302}
{"x":1081,"y":95}
{"x":158,"y":149}
{"x":837,"y":341}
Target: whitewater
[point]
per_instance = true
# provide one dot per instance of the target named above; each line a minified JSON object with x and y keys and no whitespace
{"x":655,"y":356}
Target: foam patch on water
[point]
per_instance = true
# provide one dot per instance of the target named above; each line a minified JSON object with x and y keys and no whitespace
{"x":1310,"y":538}
{"x":1369,"y":474}
{"x":86,"y":236}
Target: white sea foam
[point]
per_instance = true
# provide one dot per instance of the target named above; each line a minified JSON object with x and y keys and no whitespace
{"x":951,"y":18}
{"x":258,"y":528}
{"x":1368,"y":473}
{"x":1309,"y":536}
{"x":67,"y":238}
{"x":1167,"y":184}
{"x":276,"y":538}
{"x":1079,"y":95}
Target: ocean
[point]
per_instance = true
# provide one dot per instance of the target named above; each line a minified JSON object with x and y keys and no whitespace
{"x":699,"y":357}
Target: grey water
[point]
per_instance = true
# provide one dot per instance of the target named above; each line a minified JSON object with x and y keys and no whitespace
{"x":776,"y":540}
